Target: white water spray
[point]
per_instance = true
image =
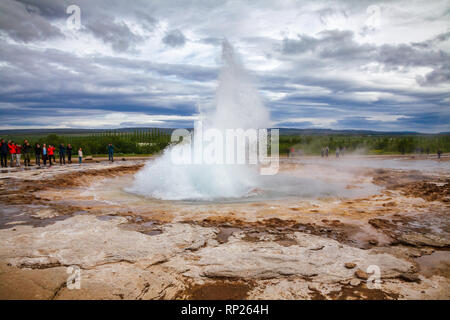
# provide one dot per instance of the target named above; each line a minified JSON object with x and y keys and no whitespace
{"x":238,"y":106}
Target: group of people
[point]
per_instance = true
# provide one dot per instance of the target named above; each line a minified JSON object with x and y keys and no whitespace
{"x":339,"y":152}
{"x":42,"y":153}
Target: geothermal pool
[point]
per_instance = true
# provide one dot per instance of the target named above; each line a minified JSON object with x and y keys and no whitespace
{"x":299,"y":179}
{"x":295,"y":183}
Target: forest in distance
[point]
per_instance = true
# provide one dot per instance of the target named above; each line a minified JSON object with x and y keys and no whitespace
{"x":148,"y":141}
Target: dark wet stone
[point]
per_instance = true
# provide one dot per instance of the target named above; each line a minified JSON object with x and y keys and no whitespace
{"x":409,"y":277}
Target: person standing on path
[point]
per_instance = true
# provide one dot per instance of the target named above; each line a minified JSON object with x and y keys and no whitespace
{"x":4,"y":153}
{"x":37,"y":154}
{"x":111,"y":152}
{"x":51,"y":154}
{"x":18,"y":154}
{"x":69,"y":153}
{"x":44,"y":154}
{"x":12,"y":152}
{"x":26,"y":149}
{"x":62,"y":154}
{"x":80,"y":156}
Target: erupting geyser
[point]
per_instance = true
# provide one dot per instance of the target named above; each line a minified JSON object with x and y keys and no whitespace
{"x":237,"y":106}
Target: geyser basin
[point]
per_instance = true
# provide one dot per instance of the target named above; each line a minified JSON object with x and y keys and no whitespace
{"x":306,"y":178}
{"x":306,"y":181}
{"x":277,"y":188}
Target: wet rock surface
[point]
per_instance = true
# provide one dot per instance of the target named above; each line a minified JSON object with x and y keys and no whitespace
{"x":326,"y":249}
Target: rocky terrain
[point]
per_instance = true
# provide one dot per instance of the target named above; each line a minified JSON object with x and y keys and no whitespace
{"x":392,"y":244}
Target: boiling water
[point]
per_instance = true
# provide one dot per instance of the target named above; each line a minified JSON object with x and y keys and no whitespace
{"x":237,"y":106}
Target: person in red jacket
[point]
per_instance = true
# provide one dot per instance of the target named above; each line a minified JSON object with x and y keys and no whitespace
{"x":51,"y":154}
{"x":18,"y":154}
{"x":12,"y":152}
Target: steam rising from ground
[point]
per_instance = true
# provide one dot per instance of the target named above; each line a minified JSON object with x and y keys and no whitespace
{"x":238,"y":106}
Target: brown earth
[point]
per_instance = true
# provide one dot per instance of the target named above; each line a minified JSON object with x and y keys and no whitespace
{"x":407,"y":220}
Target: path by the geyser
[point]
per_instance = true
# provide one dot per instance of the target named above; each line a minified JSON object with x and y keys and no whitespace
{"x":51,"y":219}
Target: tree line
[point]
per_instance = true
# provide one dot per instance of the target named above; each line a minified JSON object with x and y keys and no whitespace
{"x":149,"y":141}
{"x":154,"y":140}
{"x":389,"y":144}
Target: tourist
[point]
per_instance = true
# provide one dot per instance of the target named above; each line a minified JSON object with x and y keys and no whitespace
{"x":12,"y":152}
{"x":337,"y":152}
{"x":51,"y":154}
{"x":111,"y":152}
{"x":327,"y":150}
{"x":439,"y":153}
{"x":44,"y":154}
{"x":26,"y":149}
{"x":18,"y":154}
{"x":37,"y":153}
{"x":62,"y":154}
{"x":80,"y":156}
{"x":54,"y":157}
{"x":322,"y":152}
{"x":4,"y":153}
{"x":69,"y":153}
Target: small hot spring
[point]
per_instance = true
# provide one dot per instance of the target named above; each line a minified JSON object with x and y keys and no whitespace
{"x":204,"y":183}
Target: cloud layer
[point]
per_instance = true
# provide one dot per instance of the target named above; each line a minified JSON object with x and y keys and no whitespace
{"x":318,"y":64}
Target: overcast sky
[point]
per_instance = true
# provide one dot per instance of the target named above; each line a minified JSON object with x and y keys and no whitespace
{"x":317,"y":64}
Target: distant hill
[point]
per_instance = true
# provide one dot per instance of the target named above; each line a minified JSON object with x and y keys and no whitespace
{"x":283,"y":131}
{"x":290,"y":131}
{"x":73,"y":131}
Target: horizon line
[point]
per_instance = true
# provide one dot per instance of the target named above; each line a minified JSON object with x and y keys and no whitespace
{"x":173,"y":128}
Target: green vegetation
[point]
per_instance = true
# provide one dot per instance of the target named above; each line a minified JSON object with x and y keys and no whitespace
{"x":146,"y":141}
{"x":366,"y":144}
{"x":153,"y":140}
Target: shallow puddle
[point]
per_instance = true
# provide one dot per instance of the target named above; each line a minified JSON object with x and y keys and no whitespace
{"x":437,"y":263}
{"x":11,"y":216}
{"x":225,"y":233}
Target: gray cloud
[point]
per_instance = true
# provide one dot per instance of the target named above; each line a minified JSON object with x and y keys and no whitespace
{"x":340,"y":46}
{"x":429,"y":44}
{"x":174,"y":38}
{"x":28,"y":20}
{"x":212,"y":41}
{"x":438,"y":75}
{"x":24,"y":22}
{"x":148,"y":22}
{"x":47,"y":8}
{"x":323,"y":77}
{"x":115,"y":33}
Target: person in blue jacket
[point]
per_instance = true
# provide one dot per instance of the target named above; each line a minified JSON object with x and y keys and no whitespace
{"x":62,"y":154}
{"x":111,"y":152}
{"x":4,"y":153}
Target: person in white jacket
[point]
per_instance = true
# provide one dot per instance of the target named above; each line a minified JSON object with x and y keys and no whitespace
{"x":80,"y":156}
